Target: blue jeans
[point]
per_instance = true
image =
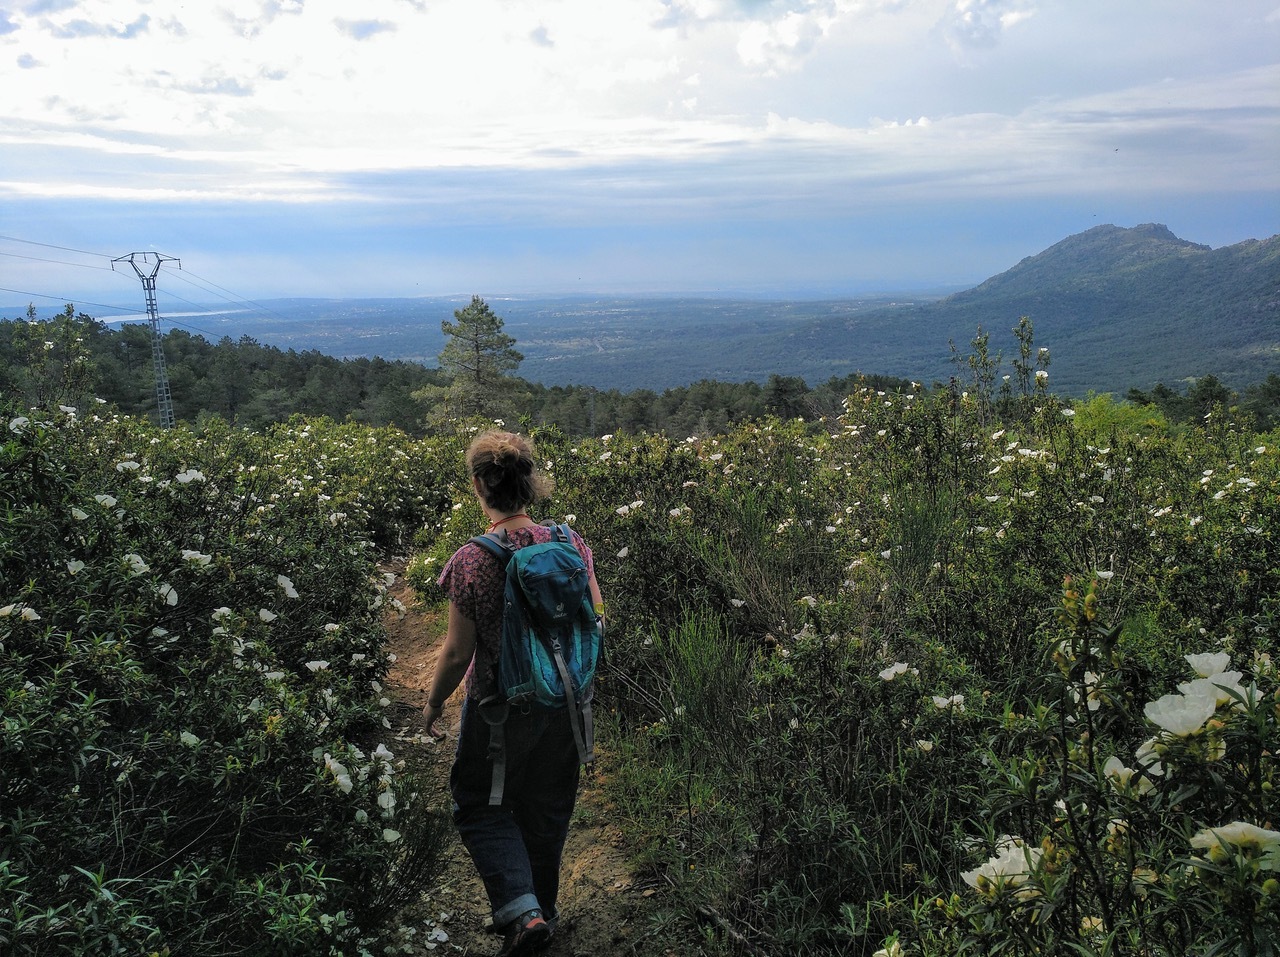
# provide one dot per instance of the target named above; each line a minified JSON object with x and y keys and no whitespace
{"x":516,"y":846}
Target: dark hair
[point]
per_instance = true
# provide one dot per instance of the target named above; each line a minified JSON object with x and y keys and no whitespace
{"x":503,"y":463}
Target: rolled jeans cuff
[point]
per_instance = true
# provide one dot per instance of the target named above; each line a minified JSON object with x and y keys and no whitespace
{"x":508,"y":912}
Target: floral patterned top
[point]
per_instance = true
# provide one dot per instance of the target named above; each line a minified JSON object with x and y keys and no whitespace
{"x":475,"y":580}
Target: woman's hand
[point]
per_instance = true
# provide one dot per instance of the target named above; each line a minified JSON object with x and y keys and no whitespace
{"x":432,"y":713}
{"x":455,"y":656}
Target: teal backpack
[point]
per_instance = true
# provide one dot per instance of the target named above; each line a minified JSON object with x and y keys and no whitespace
{"x":551,"y":641}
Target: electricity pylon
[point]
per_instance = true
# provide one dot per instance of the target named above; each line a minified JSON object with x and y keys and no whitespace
{"x":152,"y":261}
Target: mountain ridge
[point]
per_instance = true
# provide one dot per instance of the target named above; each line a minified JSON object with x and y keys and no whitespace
{"x":1127,"y":248}
{"x":1118,"y":307}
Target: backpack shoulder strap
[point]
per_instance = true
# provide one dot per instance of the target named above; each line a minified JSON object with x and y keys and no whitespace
{"x":497,"y":544}
{"x":560,"y":530}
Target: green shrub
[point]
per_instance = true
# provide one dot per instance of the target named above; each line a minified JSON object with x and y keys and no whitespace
{"x":191,"y":659}
{"x":1127,"y":825}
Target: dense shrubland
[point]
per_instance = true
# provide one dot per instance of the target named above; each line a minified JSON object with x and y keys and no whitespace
{"x":196,"y":755}
{"x":852,"y":662}
{"x":912,"y":676}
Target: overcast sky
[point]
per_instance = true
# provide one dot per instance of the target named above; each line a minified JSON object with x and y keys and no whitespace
{"x":429,"y":147}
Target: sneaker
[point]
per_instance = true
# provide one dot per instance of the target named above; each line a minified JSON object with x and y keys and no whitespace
{"x":552,"y":924}
{"x":525,"y":934}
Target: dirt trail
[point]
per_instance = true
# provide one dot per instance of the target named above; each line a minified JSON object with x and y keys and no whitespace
{"x":605,"y":910}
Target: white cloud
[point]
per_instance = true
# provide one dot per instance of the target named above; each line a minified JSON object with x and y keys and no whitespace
{"x":363,"y":29}
{"x":980,"y":23}
{"x":80,"y":28}
{"x":781,"y":44}
{"x":497,"y":83}
{"x":580,"y":112}
{"x":33,"y":7}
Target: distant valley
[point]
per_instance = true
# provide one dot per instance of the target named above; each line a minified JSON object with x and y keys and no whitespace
{"x":653,"y":343}
{"x":1117,"y":307}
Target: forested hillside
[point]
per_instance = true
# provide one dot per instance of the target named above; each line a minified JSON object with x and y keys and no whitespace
{"x":251,"y":384}
{"x":247,"y":383}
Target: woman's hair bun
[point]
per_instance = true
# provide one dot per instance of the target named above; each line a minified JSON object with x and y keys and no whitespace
{"x":504,"y":462}
{"x":508,"y":455}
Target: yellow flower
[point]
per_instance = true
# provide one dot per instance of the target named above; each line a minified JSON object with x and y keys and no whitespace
{"x":1143,"y":879}
{"x":272,"y":725}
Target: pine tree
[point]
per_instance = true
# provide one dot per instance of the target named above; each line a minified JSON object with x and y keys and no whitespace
{"x":476,"y":357}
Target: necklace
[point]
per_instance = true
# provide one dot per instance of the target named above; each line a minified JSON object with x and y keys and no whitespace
{"x":509,"y":518}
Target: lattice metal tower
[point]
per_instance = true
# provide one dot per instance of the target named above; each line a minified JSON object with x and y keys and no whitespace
{"x":147,"y":266}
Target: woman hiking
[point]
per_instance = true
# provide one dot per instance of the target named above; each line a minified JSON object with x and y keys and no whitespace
{"x":516,"y":845}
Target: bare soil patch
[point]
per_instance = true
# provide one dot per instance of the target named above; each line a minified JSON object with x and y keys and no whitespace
{"x":605,"y":910}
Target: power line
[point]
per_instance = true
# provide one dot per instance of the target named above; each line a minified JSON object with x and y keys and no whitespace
{"x":174,"y":295}
{"x":71,"y":299}
{"x":60,"y":262}
{"x":32,"y":242}
{"x":213,"y":336}
{"x":236,"y":299}
{"x":212,"y":292}
{"x":107,"y":268}
{"x":216,"y":290}
{"x":124,"y":309}
{"x":215,"y":285}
